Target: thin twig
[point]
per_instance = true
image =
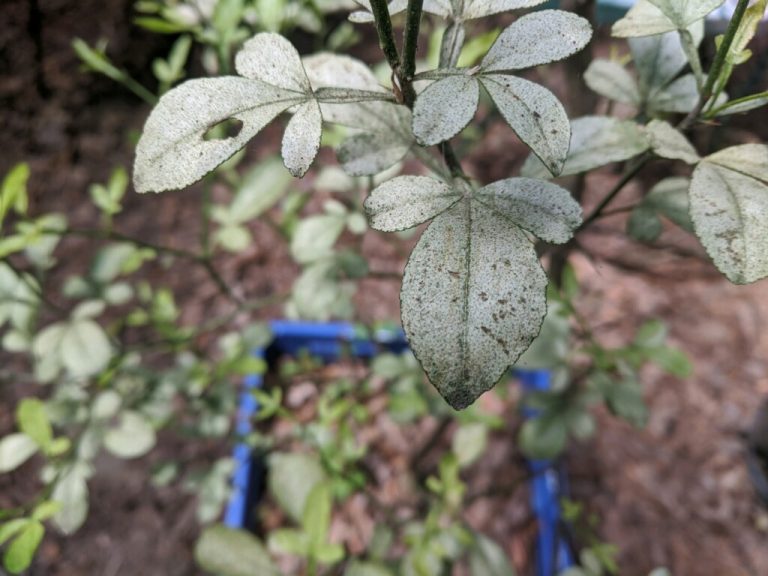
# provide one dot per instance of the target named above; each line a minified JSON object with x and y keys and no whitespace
{"x":410,"y":44}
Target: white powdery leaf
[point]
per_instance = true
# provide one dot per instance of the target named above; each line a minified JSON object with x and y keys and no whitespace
{"x":729,"y":210}
{"x":537,"y":38}
{"x":595,"y":141}
{"x":657,"y":59}
{"x":750,"y":159}
{"x":473,"y":299}
{"x":679,"y":97}
{"x":544,"y":209}
{"x":480,"y":8}
{"x":535,"y":114}
{"x":643,"y":19}
{"x":668,"y":142}
{"x":683,"y":13}
{"x":301,"y":139}
{"x":741,"y":107}
{"x":272,"y":59}
{"x":612,"y":80}
{"x":407,"y":201}
{"x":172,"y":153}
{"x":445,"y":108}
{"x":369,"y":153}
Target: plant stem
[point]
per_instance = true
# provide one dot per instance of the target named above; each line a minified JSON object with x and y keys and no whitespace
{"x":384,"y":28}
{"x":410,"y":44}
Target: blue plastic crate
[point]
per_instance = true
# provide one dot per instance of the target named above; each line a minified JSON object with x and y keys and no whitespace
{"x":332,"y":341}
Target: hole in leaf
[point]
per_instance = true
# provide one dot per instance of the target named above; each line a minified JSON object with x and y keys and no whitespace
{"x":228,"y":128}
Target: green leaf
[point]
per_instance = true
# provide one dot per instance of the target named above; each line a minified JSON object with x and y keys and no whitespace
{"x":71,"y":491}
{"x":13,"y":191}
{"x":535,"y":114}
{"x":671,"y":360}
{"x":291,"y":479}
{"x":289,"y":541}
{"x":33,"y":421}
{"x":84,"y":348}
{"x":486,"y":558}
{"x":233,"y":237}
{"x":9,"y":529}
{"x":542,"y":208}
{"x":469,"y":443}
{"x":407,"y":201}
{"x":611,"y":79}
{"x":595,"y":141}
{"x":227,"y":552}
{"x":134,"y":436}
{"x":473,"y":299}
{"x":357,"y":568}
{"x":445,"y":108}
{"x":18,"y":556}
{"x":652,"y":334}
{"x":45,"y":510}
{"x":15,"y":449}
{"x":260,"y":189}
{"x":668,"y":142}
{"x":537,"y":38}
{"x":315,"y":236}
{"x":729,"y":208}
{"x":543,"y":437}
{"x":316,"y":517}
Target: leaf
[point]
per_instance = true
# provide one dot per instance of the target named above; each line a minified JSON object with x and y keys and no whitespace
{"x":542,"y":208}
{"x":316,"y":517}
{"x":368,"y":153}
{"x":259,"y":190}
{"x":33,"y":421}
{"x":729,"y":208}
{"x":537,"y":38}
{"x":407,"y":201}
{"x":13,"y":190}
{"x":445,"y":108}
{"x":683,"y":13}
{"x":472,"y":300}
{"x":134,"y":436}
{"x":611,"y":79}
{"x":357,"y":568}
{"x":643,"y":224}
{"x":18,"y":556}
{"x":595,"y":141}
{"x":535,"y":114}
{"x":486,"y":558}
{"x":671,"y":360}
{"x":658,"y":59}
{"x":301,"y":140}
{"x":272,"y":59}
{"x":469,"y":443}
{"x":15,"y":449}
{"x":315,"y":236}
{"x":668,"y":142}
{"x":679,"y":97}
{"x":643,"y":19}
{"x":742,"y":105}
{"x":292,"y":476}
{"x":45,"y":510}
{"x":172,"y":153}
{"x":289,"y":541}
{"x":84,"y":349}
{"x":227,"y":552}
{"x":71,"y":491}
{"x":543,"y":437}
{"x":480,"y":8}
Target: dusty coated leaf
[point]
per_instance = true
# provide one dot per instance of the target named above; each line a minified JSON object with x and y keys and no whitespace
{"x":71,"y":491}
{"x":301,"y":139}
{"x":643,"y":19}
{"x":172,"y":153}
{"x":729,"y":209}
{"x":445,"y":108}
{"x":680,"y":96}
{"x":537,"y":38}
{"x":535,"y":114}
{"x":369,"y":153}
{"x":272,"y":59}
{"x":668,"y":142}
{"x":15,"y":449}
{"x":480,"y":8}
{"x":473,"y":299}
{"x":85,"y":349}
{"x":542,"y":208}
{"x":595,"y":141}
{"x":132,"y":437}
{"x":406,"y":201}
{"x":611,"y":79}
{"x":683,"y":13}
{"x":670,"y":198}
